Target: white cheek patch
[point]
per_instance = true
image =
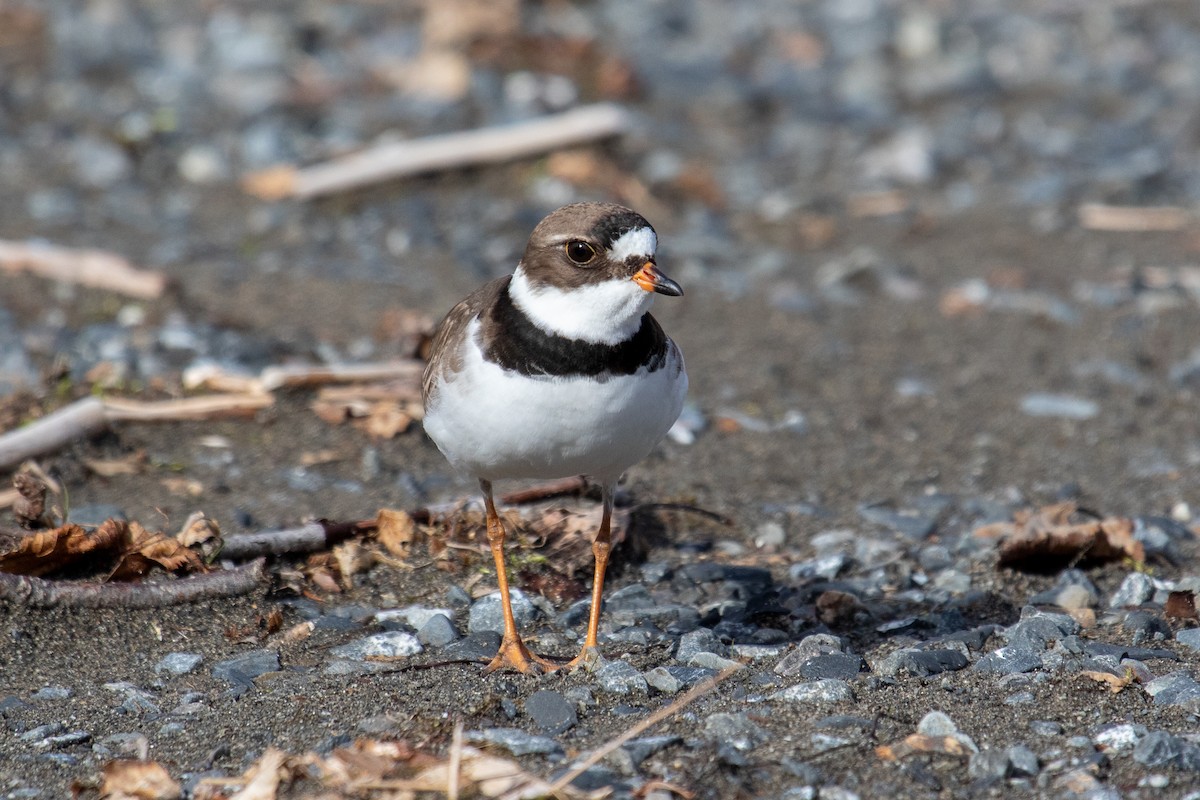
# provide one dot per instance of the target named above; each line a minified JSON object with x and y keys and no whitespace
{"x":637,"y":242}
{"x":607,"y":312}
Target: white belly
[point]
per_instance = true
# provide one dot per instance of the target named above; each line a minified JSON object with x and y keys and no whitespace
{"x":496,"y":424}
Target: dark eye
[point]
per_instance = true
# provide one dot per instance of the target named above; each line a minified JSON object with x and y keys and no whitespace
{"x":580,"y":252}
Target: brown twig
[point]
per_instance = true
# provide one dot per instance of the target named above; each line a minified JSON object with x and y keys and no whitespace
{"x":39,"y":593}
{"x":94,"y":268}
{"x":544,"y":491}
{"x":307,"y":538}
{"x":204,"y":407}
{"x":448,"y":151}
{"x":594,"y":758}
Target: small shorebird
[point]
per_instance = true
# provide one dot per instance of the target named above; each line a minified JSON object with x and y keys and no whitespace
{"x":558,"y":370}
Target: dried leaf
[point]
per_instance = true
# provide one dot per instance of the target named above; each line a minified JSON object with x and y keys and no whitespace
{"x":1115,"y":682}
{"x":396,"y":531}
{"x":1181,"y":605}
{"x":42,"y":552}
{"x":264,"y":777}
{"x":184,"y":487}
{"x":138,"y":780}
{"x":918,"y":743}
{"x":385,"y":420}
{"x":324,"y":579}
{"x":492,"y":776}
{"x":351,"y":558}
{"x":144,"y":549}
{"x":839,"y":609}
{"x":198,"y":528}
{"x":312,"y":459}
{"x":30,"y":507}
{"x":1049,"y":539}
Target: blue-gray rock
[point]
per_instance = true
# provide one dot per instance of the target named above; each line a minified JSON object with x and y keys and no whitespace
{"x":1175,"y":689}
{"x":12,"y":704}
{"x":638,"y":750}
{"x":1136,"y":589}
{"x":843,"y":666}
{"x":387,"y":644}
{"x":989,"y":765}
{"x":1163,"y":749}
{"x":829,"y":690}
{"x":629,"y":598}
{"x":68,"y":739}
{"x":1024,"y":762}
{"x":416,"y":617}
{"x":52,"y":693}
{"x":662,"y":680}
{"x":43,"y":732}
{"x":921,"y":663}
{"x":1040,"y":628}
{"x":1189,"y":637}
{"x":515,"y":741}
{"x":1009,"y":660}
{"x":1019,"y":699}
{"x":701,"y":640}
{"x":135,"y":700}
{"x":914,"y":522}
{"x":437,"y":631}
{"x":620,"y":677}
{"x":1073,"y":589}
{"x":179,"y":663}
{"x":487,"y":612}
{"x":1046,"y":727}
{"x":474,"y":647}
{"x":1119,"y":736}
{"x":712,"y":661}
{"x":550,"y":711}
{"x":937,"y":723}
{"x":735,"y":729}
{"x":245,"y":668}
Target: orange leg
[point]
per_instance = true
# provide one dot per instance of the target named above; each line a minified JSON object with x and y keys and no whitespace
{"x":513,"y":652}
{"x":601,"y":546}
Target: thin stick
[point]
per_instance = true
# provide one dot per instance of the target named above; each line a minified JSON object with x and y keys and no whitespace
{"x":544,"y":491}
{"x":449,"y":151}
{"x":307,"y":538}
{"x":40,"y":593}
{"x":1132,"y":219}
{"x":204,"y":407}
{"x":658,"y":716}
{"x":93,"y":268}
{"x":318,"y":374}
{"x":77,"y":420}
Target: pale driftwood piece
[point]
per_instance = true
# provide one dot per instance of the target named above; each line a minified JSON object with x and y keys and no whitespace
{"x":451,"y":151}
{"x":1133,"y":219}
{"x":41,"y":593}
{"x":93,"y":268}
{"x":188,"y":408}
{"x":307,"y":538}
{"x":301,"y":375}
{"x":81,"y":418}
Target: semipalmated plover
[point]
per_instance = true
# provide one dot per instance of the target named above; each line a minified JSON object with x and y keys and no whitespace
{"x":558,"y":370}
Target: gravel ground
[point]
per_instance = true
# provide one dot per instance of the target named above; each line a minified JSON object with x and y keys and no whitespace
{"x":896,"y":326}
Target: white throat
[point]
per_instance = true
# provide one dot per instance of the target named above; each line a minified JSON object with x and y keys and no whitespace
{"x":602,"y":313}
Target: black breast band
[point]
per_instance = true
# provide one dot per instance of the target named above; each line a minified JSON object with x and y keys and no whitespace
{"x":514,"y":342}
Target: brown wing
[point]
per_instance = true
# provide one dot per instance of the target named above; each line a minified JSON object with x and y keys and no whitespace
{"x":445,"y":353}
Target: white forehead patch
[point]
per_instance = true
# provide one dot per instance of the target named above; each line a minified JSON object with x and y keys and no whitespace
{"x":637,"y":242}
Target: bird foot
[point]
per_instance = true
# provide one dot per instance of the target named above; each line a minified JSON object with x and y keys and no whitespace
{"x":589,"y":659}
{"x":513,"y":654}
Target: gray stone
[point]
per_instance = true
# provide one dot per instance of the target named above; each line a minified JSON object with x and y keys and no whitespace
{"x":989,"y":765}
{"x":1023,"y":760}
{"x":516,"y":741}
{"x":1163,"y":749}
{"x":712,"y":661}
{"x":937,"y":723}
{"x":135,"y":700}
{"x":437,"y":631}
{"x":1019,"y":699}
{"x":43,"y":732}
{"x":477,"y":646}
{"x":179,"y":663}
{"x":1120,"y":736}
{"x":53,"y":693}
{"x":690,"y":676}
{"x":662,"y":680}
{"x":843,"y":666}
{"x":487,"y":612}
{"x":69,"y":739}
{"x":816,"y":692}
{"x":416,"y":617}
{"x":1045,"y":727}
{"x":620,"y":677}
{"x":1061,"y":406}
{"x":734,"y":729}
{"x":1174,"y":689}
{"x":1137,"y":588}
{"x":638,"y":750}
{"x":550,"y":711}
{"x":387,"y":644}
{"x":701,"y":640}
{"x":921,"y":663}
{"x":629,"y":598}
{"x":1189,"y":637}
{"x":1009,"y":660}
{"x":245,"y":668}
{"x":1040,"y":628}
